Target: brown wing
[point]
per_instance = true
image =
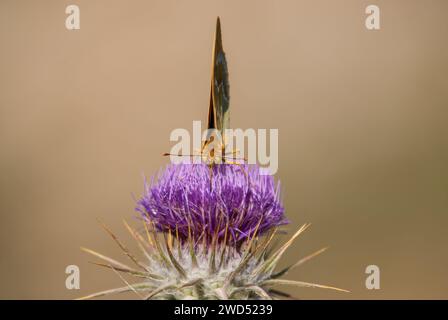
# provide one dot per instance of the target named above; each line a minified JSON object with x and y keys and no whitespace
{"x":218,"y":114}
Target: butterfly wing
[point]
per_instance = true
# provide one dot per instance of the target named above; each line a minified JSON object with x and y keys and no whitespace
{"x":218,"y":116}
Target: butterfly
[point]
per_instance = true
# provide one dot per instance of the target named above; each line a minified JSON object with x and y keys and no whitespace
{"x":213,"y":149}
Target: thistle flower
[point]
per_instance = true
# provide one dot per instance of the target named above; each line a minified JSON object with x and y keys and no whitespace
{"x":208,"y":235}
{"x":204,"y":201}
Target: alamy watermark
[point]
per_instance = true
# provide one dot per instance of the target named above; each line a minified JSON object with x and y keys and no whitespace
{"x":72,"y":281}
{"x":249,"y":146}
{"x":73,"y":21}
{"x":373,"y":19}
{"x":373,"y":279}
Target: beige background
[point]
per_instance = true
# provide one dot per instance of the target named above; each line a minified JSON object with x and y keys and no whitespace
{"x":362,"y":120}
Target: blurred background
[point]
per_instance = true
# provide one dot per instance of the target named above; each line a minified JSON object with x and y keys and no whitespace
{"x":362,"y":118}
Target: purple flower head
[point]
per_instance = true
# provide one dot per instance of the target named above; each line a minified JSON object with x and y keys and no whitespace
{"x":225,"y":201}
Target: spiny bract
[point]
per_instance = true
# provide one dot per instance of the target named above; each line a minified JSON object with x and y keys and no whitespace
{"x":175,"y":270}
